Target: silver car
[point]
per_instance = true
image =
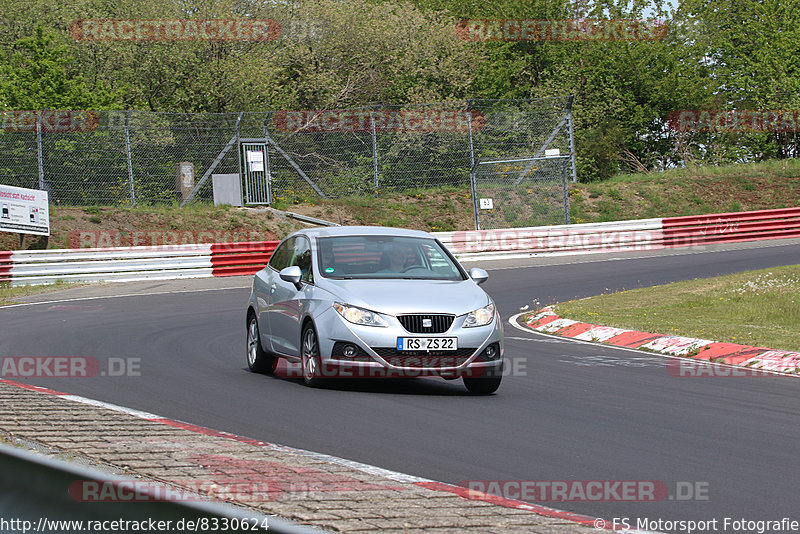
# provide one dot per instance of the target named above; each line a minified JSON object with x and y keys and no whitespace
{"x":363,"y":301}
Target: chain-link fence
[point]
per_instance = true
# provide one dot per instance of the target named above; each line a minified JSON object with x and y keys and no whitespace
{"x":119,"y":157}
{"x":517,"y":193}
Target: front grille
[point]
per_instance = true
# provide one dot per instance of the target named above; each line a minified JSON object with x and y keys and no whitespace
{"x":435,"y":359}
{"x":439,"y":323}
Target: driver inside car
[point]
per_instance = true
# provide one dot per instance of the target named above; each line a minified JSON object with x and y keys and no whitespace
{"x":400,"y":256}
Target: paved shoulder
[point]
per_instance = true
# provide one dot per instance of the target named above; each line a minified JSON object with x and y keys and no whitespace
{"x":310,"y":488}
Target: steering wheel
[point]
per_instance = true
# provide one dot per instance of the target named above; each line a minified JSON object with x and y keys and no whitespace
{"x":415,"y":266}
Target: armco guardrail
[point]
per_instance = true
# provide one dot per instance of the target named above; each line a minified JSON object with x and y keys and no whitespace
{"x":125,"y":264}
{"x":731,"y":227}
{"x":641,"y":234}
{"x":5,"y":266}
{"x":37,"y":497}
{"x":235,"y":259}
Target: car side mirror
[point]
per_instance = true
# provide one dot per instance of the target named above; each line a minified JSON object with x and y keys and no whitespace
{"x":478,"y":275}
{"x":292,"y":275}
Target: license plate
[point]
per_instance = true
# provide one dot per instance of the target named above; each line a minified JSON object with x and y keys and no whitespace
{"x":427,"y":343}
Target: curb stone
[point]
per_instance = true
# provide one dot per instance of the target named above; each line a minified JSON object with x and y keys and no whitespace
{"x":758,"y":361}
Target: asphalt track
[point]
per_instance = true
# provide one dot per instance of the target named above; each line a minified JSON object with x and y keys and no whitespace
{"x":569,"y":411}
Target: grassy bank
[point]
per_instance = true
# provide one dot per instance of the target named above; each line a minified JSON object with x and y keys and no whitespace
{"x":688,"y":191}
{"x":8,"y":294}
{"x":760,"y":308}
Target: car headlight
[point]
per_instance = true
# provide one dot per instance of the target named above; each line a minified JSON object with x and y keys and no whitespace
{"x":480,"y":317}
{"x":359,"y":315}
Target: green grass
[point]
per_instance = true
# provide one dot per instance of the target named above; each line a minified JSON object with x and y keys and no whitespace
{"x":8,"y":294}
{"x":760,"y":308}
{"x":688,"y":191}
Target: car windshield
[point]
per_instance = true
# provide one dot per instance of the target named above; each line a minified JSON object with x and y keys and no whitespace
{"x":377,"y":257}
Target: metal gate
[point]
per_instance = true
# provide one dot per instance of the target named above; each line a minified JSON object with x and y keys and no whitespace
{"x":516,"y":193}
{"x":255,"y":167}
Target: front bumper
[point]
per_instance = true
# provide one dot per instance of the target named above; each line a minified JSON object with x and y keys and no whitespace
{"x":480,"y":350}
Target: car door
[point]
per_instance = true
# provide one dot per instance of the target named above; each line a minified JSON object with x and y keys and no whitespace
{"x":286,"y":301}
{"x":281,"y":258}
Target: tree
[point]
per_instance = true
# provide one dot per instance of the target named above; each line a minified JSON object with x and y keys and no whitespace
{"x":39,"y":76}
{"x":749,"y":50}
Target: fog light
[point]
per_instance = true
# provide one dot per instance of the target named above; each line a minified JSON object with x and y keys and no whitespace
{"x":491,"y":352}
{"x":349,"y":351}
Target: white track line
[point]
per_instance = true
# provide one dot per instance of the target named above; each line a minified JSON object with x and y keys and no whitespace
{"x":78,"y":299}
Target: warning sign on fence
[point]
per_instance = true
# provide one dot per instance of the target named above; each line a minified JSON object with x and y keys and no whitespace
{"x":24,"y":211}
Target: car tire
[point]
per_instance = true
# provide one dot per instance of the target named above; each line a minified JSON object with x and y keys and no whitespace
{"x":258,"y":360}
{"x":310,"y":357}
{"x":482,"y":385}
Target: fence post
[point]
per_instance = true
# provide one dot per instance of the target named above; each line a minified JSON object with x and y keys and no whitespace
{"x":267,"y":174}
{"x":39,"y":152}
{"x":128,"y":155}
{"x":472,"y":169}
{"x":473,"y":183}
{"x":239,"y":158}
{"x":571,"y":139}
{"x":565,"y":186}
{"x":374,"y":150}
{"x":469,"y":126}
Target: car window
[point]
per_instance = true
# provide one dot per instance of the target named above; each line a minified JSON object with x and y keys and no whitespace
{"x":283,"y":255}
{"x":379,"y":256}
{"x":302,"y":258}
{"x":438,"y":261}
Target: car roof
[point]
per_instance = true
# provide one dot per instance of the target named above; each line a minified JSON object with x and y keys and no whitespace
{"x":332,"y":231}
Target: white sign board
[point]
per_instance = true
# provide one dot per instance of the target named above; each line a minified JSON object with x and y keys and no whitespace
{"x":256,"y":160}
{"x":24,"y":211}
{"x":552,"y":153}
{"x":486,"y":203}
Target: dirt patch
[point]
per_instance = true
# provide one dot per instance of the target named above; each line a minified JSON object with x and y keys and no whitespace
{"x":427,"y":211}
{"x":113,"y":227}
{"x":766,"y":185}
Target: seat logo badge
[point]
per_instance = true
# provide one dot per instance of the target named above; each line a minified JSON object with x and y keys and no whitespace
{"x":427,"y":323}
